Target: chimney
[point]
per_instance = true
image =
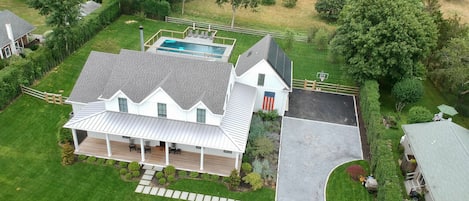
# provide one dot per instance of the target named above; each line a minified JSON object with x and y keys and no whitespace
{"x":141,"y":38}
{"x":12,"y":39}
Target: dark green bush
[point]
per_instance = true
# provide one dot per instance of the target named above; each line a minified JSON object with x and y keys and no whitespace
{"x":128,"y":176}
{"x":419,"y":114}
{"x":246,"y":168}
{"x":123,"y":171}
{"x":162,"y":181}
{"x":82,"y":157}
{"x":135,"y":173}
{"x":91,"y":159}
{"x":268,"y":2}
{"x":123,"y":164}
{"x":206,"y":176}
{"x":100,"y":161}
{"x":110,"y":162}
{"x":463,"y":109}
{"x":169,"y":170}
{"x":171,"y":178}
{"x":268,"y":116}
{"x":182,"y":174}
{"x":214,"y":177}
{"x":194,"y":174}
{"x":289,"y":3}
{"x":234,"y":180}
{"x":134,"y":166}
{"x":159,"y":175}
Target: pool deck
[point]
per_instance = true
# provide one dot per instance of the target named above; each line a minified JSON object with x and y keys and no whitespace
{"x":202,"y":41}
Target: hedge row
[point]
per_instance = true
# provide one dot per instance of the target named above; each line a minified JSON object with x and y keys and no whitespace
{"x":36,"y":64}
{"x":382,"y":161}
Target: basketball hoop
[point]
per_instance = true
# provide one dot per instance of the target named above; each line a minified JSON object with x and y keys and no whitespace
{"x":322,"y":76}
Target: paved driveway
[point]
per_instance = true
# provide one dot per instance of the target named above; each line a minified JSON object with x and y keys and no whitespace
{"x":309,"y":151}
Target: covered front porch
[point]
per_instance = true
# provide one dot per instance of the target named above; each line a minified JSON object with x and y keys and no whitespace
{"x":185,"y":160}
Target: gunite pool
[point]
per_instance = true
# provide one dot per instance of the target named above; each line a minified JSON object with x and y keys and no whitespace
{"x":201,"y":48}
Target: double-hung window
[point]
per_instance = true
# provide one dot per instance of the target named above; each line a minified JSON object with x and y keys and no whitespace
{"x":161,"y":110}
{"x":200,"y":115}
{"x":260,"y":79}
{"x":123,"y":105}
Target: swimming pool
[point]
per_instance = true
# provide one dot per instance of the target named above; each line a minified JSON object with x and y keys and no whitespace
{"x":192,"y":48}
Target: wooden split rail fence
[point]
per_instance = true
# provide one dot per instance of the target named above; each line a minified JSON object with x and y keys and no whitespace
{"x":48,"y":97}
{"x":314,"y":85}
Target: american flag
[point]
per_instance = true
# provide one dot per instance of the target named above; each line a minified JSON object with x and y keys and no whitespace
{"x":269,"y":98}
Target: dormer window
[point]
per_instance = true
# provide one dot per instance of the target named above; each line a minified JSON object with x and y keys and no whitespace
{"x":200,"y":115}
{"x":162,"y":110}
{"x":260,"y":79}
{"x":123,"y":105}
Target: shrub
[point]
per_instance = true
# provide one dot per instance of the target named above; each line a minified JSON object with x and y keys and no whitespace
{"x":254,"y":180}
{"x":67,"y":154}
{"x":407,"y":91}
{"x":162,"y":181}
{"x":135,"y":173}
{"x":123,"y":171}
{"x":182,"y":174}
{"x":123,"y":164}
{"x":82,"y":157}
{"x":257,"y":166}
{"x":246,"y":168}
{"x":214,"y":177}
{"x":159,"y":175}
{"x":128,"y":176}
{"x":355,"y":171}
{"x":91,"y":159}
{"x":268,"y":116}
{"x":110,"y":162}
{"x":463,"y":109}
{"x":133,"y":166}
{"x":263,"y":146}
{"x":289,"y":3}
{"x":321,"y":39}
{"x":226,"y":180}
{"x":171,"y":178}
{"x":65,"y":136}
{"x":257,"y":128}
{"x":169,"y":170}
{"x":194,"y":174}
{"x":268,"y":2}
{"x":419,"y":114}
{"x":234,"y":179}
{"x":100,"y":161}
{"x":206,"y":176}
{"x":289,"y":39}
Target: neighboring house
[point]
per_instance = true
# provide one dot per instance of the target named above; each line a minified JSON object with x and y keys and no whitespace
{"x":88,"y":8}
{"x":160,"y":104}
{"x":266,"y":67}
{"x":436,"y":159}
{"x":14,"y":33}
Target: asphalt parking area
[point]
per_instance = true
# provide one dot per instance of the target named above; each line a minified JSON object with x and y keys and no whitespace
{"x":311,"y":149}
{"x":321,"y":106}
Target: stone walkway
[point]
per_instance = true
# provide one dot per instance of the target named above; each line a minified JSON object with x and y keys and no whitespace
{"x":145,"y":188}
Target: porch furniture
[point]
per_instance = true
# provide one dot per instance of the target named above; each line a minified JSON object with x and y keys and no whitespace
{"x":174,"y":150}
{"x":132,"y":146}
{"x":147,"y":148}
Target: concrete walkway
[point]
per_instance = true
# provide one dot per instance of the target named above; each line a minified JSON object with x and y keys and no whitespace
{"x":145,"y":187}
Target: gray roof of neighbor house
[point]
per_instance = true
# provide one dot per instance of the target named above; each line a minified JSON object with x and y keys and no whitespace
{"x":442,"y":152}
{"x":138,"y":74}
{"x":19,"y":27}
{"x":269,"y":50}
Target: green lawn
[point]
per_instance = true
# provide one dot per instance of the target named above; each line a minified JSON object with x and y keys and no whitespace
{"x":20,"y":8}
{"x":341,"y":187}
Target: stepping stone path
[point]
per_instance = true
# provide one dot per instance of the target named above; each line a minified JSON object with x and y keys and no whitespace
{"x":145,"y":187}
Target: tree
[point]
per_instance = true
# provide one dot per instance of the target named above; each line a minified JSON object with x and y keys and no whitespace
{"x":254,"y":179}
{"x":321,"y":39}
{"x":419,"y":114}
{"x":235,"y":4}
{"x":68,"y":157}
{"x":329,"y":9}
{"x":62,"y":16}
{"x":407,"y":91}
{"x":384,"y":39}
{"x":234,"y":179}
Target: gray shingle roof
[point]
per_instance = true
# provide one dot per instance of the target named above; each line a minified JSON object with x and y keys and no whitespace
{"x":88,"y":7}
{"x":19,"y":26}
{"x":442,"y":153}
{"x":269,"y":50}
{"x":139,"y":74}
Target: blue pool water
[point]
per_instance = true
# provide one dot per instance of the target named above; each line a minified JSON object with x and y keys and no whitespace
{"x":192,"y":48}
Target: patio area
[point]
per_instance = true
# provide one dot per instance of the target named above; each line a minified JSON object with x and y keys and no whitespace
{"x":185,"y":160}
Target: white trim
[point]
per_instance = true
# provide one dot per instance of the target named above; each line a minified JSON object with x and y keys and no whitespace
{"x":108,"y":146}
{"x":7,"y":53}
{"x":237,"y":161}
{"x":358,"y":125}
{"x":166,"y":149}
{"x":74,"y":102}
{"x":272,"y":69}
{"x":142,"y":150}
{"x":75,"y":140}
{"x":202,"y":158}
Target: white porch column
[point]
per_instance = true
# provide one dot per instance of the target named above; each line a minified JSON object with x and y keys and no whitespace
{"x":142,"y":149}
{"x":108,"y":145}
{"x":75,"y":139}
{"x":201,"y":158}
{"x":166,"y":150}
{"x":237,"y":161}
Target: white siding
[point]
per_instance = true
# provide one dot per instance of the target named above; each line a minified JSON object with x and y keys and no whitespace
{"x":207,"y":151}
{"x":77,"y":107}
{"x":272,"y":83}
{"x":210,"y":118}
